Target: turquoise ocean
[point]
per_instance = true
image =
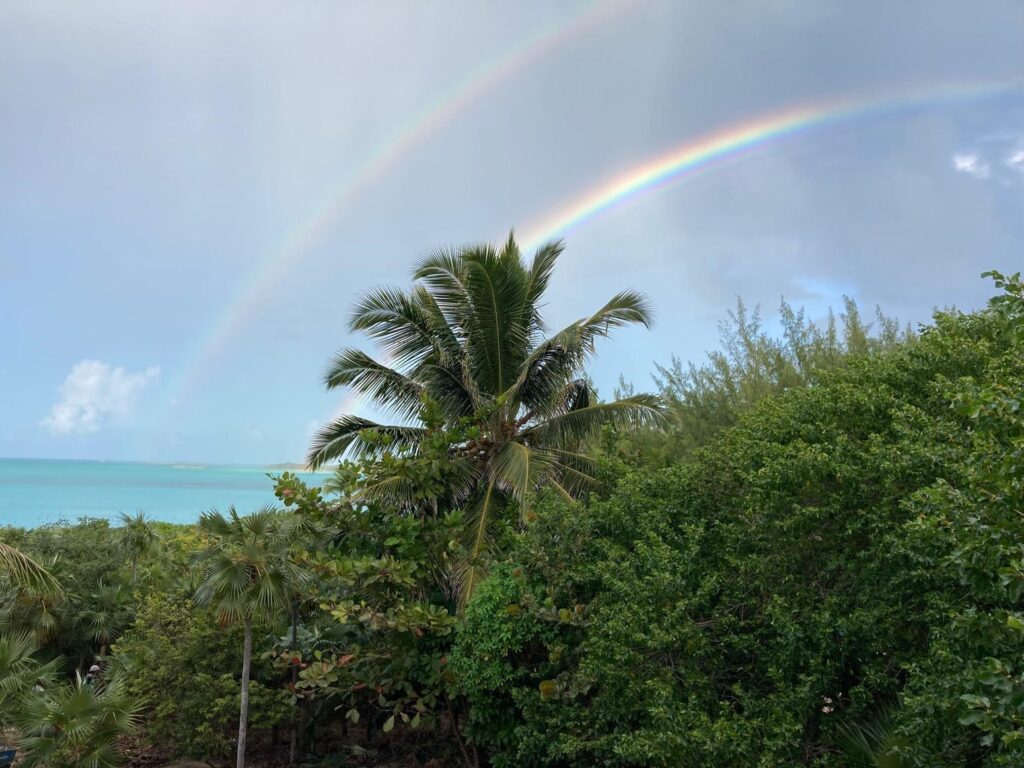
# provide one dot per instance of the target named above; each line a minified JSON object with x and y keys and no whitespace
{"x":34,"y":492}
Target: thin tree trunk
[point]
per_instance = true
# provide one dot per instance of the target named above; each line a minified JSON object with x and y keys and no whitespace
{"x":454,"y":722}
{"x":295,"y":678}
{"x":134,"y":564}
{"x":243,"y":712}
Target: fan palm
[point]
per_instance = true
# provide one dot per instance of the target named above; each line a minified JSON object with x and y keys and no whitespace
{"x":19,"y":673}
{"x":469,"y":339}
{"x":874,"y":743}
{"x":137,"y":537}
{"x":76,"y":725}
{"x":247,"y":575}
{"x":106,"y":613}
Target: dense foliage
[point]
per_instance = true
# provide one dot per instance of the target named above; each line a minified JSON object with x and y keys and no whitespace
{"x":751,"y":365}
{"x":383,"y":581}
{"x":847,"y":555}
{"x":817,"y":561}
{"x":184,"y":665}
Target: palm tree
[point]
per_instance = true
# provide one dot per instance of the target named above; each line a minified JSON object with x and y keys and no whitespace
{"x":247,"y":575}
{"x":106,"y":614}
{"x":19,"y":674}
{"x":874,"y":743}
{"x":469,"y":339}
{"x":39,"y":605}
{"x":137,"y":538}
{"x":76,"y":725}
{"x":22,"y":570}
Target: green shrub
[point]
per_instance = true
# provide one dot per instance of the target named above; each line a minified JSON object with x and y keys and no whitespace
{"x":184,"y":667}
{"x":783,"y":591}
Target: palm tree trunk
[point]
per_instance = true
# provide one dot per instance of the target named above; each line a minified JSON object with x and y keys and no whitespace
{"x":243,"y":712}
{"x":134,"y":564}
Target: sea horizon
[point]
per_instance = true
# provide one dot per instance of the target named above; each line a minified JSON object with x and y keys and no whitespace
{"x":35,"y":492}
{"x":181,"y":463}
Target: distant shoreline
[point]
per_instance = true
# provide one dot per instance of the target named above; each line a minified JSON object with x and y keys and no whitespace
{"x":286,"y":465}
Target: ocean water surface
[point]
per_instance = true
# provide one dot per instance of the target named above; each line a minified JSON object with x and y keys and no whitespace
{"x":38,"y":491}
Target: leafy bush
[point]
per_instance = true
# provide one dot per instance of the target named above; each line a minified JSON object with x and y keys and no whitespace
{"x":85,"y":559}
{"x":787,"y":589}
{"x":968,"y":536}
{"x":184,"y":667}
{"x":381,"y":578}
{"x":749,"y":366}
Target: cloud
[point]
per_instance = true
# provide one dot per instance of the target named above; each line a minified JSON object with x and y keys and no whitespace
{"x":1016,"y":160}
{"x":972,"y":165}
{"x":94,"y":394}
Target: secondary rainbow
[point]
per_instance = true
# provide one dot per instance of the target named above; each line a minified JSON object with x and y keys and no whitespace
{"x":696,"y":154}
{"x":457,"y":99}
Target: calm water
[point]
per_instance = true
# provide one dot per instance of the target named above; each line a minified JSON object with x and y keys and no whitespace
{"x":36,"y":491}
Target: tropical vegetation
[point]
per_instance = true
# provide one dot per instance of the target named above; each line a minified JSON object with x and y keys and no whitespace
{"x":804,"y":550}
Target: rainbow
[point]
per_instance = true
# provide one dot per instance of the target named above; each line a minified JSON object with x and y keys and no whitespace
{"x":311,"y":231}
{"x":697,"y":154}
{"x":694,"y":155}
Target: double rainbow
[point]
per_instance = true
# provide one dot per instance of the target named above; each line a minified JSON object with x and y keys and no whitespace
{"x":672,"y":166}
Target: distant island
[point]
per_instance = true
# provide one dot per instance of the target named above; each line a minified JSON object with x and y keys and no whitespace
{"x":292,"y":466}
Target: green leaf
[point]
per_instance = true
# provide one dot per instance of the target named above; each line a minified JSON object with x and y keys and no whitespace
{"x":973,"y":717}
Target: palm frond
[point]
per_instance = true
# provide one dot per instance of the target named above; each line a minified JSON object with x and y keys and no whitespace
{"x":343,"y":434}
{"x":562,"y":356}
{"x":480,"y":520}
{"x":575,"y":426}
{"x":499,"y":331}
{"x":442,"y":272}
{"x":398,"y":322}
{"x":23,"y":571}
{"x":873,"y":743}
{"x":624,"y":308}
{"x":20,"y":671}
{"x":383,"y":385}
{"x":447,"y":386}
{"x":519,"y":470}
{"x":572,"y":481}
{"x":447,"y":338}
{"x":541,"y":268}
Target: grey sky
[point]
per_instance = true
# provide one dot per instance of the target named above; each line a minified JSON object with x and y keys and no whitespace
{"x":152,"y":154}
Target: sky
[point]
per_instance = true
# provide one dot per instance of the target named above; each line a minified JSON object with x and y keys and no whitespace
{"x":193,"y":194}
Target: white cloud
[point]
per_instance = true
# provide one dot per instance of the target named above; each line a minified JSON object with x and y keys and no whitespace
{"x":94,"y":394}
{"x":972,"y":165}
{"x":1016,"y":160}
